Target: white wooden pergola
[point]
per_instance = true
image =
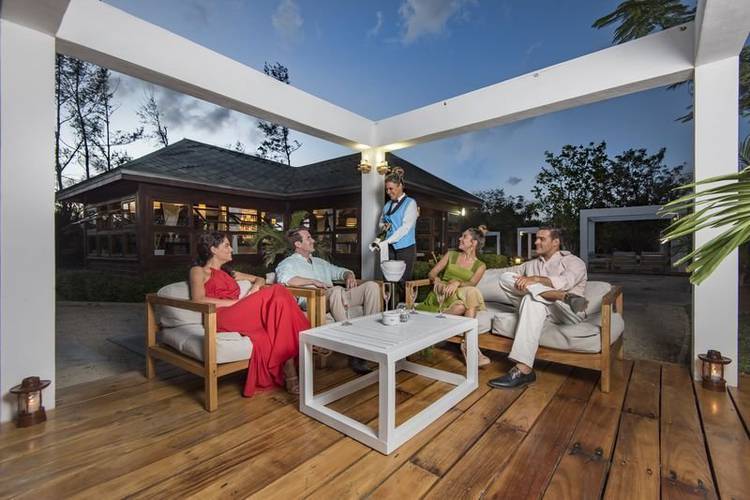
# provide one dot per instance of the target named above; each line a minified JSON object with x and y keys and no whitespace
{"x":31,"y":32}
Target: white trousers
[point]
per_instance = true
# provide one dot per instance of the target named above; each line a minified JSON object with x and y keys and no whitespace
{"x":533,"y":310}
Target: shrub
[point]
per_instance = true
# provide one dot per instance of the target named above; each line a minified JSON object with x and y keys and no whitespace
{"x":494,"y":261}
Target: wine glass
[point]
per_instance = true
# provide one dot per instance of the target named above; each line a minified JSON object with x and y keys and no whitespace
{"x":412,"y":291}
{"x":345,"y":301}
{"x":387,"y":289}
{"x":440,"y":294}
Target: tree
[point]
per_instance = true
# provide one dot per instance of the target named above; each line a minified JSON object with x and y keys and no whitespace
{"x":151,"y":117}
{"x":586,"y":177}
{"x":82,"y":91}
{"x":64,"y":153}
{"x":276,"y":145}
{"x":638,"y":18}
{"x":108,"y":138}
{"x":503,"y":213}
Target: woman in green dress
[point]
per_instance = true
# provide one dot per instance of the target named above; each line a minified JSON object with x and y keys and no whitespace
{"x":456,"y":275}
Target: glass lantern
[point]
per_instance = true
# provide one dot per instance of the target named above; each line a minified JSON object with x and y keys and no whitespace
{"x":30,"y":408}
{"x":712,"y":370}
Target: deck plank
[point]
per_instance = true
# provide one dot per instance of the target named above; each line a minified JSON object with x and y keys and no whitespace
{"x":409,"y":481}
{"x":469,"y":477}
{"x":531,"y":467}
{"x":741,"y":398}
{"x":578,"y":476}
{"x":685,"y":471}
{"x":245,"y":479}
{"x":635,"y":465}
{"x":728,"y":443}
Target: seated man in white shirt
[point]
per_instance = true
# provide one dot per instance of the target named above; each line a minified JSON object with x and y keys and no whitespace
{"x":302,"y":269}
{"x":550,"y":285}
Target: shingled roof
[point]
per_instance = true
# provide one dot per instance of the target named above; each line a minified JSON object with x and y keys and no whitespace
{"x":208,"y":166}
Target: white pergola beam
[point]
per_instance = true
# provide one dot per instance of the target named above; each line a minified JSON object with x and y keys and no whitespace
{"x":653,"y":61}
{"x":721,"y":28}
{"x":99,"y":33}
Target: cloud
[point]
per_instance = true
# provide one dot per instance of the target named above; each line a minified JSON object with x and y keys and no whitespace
{"x":513,"y":180}
{"x":378,"y":24}
{"x":429,"y":17}
{"x":288,"y":21}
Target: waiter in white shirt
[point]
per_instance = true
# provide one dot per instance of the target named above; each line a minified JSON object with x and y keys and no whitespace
{"x":399,"y":218}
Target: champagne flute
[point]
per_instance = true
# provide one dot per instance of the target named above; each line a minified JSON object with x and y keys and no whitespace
{"x":440,"y":294}
{"x":345,"y":301}
{"x":413,"y":298}
{"x":387,"y":293}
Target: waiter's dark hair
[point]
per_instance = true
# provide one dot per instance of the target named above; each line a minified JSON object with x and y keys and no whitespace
{"x":396,"y":176}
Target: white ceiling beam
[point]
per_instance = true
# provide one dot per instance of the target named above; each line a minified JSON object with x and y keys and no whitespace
{"x":653,"y":61}
{"x":99,"y":33}
{"x":721,"y":28}
{"x":40,"y":15}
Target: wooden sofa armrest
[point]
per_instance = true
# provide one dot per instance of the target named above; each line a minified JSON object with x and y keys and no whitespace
{"x":612,"y":299}
{"x":190,"y":305}
{"x":316,"y":303}
{"x":411,"y":288}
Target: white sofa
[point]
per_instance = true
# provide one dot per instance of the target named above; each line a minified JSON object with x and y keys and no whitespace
{"x":587,"y":344}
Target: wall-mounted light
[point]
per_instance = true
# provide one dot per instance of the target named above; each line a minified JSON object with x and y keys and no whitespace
{"x":383,"y":168}
{"x":463,"y":212}
{"x":364,"y":166}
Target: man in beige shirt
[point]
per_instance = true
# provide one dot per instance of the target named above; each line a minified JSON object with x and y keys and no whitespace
{"x":550,"y":285}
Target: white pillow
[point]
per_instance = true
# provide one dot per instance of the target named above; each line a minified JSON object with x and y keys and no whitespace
{"x":170,"y":317}
{"x":489,"y":285}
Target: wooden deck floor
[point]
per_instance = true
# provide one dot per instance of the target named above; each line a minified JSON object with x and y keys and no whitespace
{"x":655,"y":435}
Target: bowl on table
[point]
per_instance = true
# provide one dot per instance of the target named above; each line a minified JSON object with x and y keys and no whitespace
{"x":393,"y":270}
{"x":390,"y":318}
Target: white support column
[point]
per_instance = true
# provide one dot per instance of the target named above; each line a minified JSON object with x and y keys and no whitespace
{"x":716,"y":134}
{"x":27,"y":250}
{"x":371,"y":206}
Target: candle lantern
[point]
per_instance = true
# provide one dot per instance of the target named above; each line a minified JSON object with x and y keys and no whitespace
{"x":712,"y":370}
{"x":30,"y":408}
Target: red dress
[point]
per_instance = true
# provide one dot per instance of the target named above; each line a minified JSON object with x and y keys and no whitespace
{"x":270,"y":317}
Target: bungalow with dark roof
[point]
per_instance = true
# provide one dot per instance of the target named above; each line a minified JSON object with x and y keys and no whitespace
{"x":147,"y":213}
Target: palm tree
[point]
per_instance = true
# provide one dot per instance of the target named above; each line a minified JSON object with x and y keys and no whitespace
{"x":725,"y":205}
{"x":638,"y":18}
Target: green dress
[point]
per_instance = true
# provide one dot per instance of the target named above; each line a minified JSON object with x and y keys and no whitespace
{"x":469,"y":296}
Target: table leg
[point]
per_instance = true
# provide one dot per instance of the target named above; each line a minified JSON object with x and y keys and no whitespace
{"x":387,"y":399}
{"x":306,"y":370}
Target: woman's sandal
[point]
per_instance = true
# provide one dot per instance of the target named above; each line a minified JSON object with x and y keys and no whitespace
{"x":292,"y":385}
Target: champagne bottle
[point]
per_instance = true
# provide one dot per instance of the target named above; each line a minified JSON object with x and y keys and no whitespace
{"x":375,"y":245}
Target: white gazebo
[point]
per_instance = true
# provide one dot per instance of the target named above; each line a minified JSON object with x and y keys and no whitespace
{"x":31,"y":32}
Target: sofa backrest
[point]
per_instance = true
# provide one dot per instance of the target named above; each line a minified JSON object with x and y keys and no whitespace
{"x":170,"y":317}
{"x":489,"y":285}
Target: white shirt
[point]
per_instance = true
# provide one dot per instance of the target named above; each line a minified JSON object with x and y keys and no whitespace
{"x":566,"y":271}
{"x":410,"y":219}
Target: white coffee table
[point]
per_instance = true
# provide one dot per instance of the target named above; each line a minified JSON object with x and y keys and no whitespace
{"x":388,"y":346}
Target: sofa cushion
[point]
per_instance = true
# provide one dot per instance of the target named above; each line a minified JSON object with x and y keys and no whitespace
{"x":170,"y":317}
{"x":594,"y":293}
{"x":489,"y":285}
{"x":188,"y":340}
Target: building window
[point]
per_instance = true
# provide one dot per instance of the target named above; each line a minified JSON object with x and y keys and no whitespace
{"x":109,"y":226}
{"x":171,"y":244}
{"x":170,"y":214}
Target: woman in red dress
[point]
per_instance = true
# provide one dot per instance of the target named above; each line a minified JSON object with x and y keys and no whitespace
{"x":268,"y":315}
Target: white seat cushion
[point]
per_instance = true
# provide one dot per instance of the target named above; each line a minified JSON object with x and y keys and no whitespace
{"x":169,"y":317}
{"x":188,"y":340}
{"x":182,"y":330}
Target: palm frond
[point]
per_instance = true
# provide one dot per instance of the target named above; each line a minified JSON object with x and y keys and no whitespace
{"x":725,"y":207}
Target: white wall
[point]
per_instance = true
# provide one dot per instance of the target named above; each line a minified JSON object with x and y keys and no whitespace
{"x":27,"y":271}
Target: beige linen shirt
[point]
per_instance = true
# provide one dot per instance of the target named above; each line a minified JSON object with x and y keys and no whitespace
{"x":566,"y":271}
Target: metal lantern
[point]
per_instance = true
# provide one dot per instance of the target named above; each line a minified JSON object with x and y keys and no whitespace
{"x":712,"y":370}
{"x":29,"y":394}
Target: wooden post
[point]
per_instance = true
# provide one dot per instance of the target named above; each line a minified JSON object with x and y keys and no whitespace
{"x":209,"y":361}
{"x":606,"y":366}
{"x":151,"y":329}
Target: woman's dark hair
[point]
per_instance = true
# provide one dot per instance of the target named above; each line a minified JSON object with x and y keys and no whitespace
{"x":396,"y":176}
{"x":205,"y":242}
{"x":478,"y":234}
